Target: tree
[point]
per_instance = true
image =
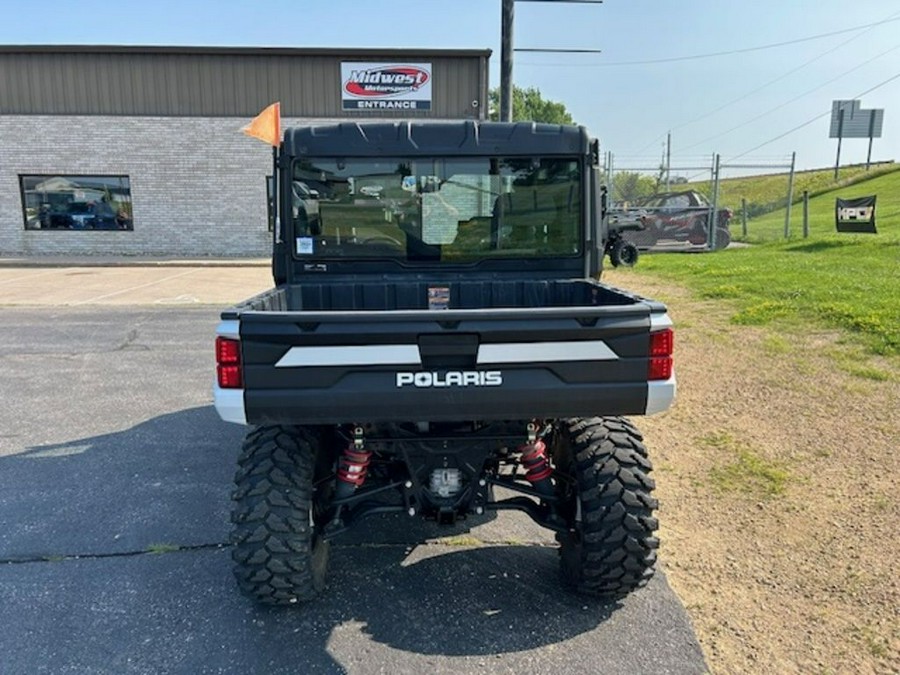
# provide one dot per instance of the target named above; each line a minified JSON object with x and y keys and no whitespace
{"x":630,"y":185}
{"x":530,"y":106}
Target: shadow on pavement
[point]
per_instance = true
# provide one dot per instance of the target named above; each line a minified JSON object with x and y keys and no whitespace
{"x":166,"y":482}
{"x":478,"y":601}
{"x":181,"y":612}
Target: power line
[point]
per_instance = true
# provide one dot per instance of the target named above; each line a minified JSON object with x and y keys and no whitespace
{"x":559,"y":51}
{"x":767,"y":84}
{"x":783,"y":76}
{"x":799,"y":126}
{"x":808,"y":122}
{"x":710,"y":55}
{"x":653,"y":142}
{"x":792,"y":100}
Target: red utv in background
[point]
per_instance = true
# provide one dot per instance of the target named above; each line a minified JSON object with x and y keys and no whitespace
{"x":681,"y":217}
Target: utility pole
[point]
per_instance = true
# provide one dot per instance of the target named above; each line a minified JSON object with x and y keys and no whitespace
{"x":506,"y":60}
{"x":609,"y":172}
{"x":506,"y":52}
{"x":669,"y":162}
{"x":871,"y":134}
{"x":790,"y":195}
{"x":714,"y":207}
{"x":840,"y":134}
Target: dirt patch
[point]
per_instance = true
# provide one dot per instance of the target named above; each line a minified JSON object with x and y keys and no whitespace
{"x":777,"y":473}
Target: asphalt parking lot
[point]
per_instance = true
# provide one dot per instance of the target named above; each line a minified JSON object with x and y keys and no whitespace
{"x":114,"y":493}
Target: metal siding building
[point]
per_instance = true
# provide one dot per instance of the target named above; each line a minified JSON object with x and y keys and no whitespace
{"x":164,"y":122}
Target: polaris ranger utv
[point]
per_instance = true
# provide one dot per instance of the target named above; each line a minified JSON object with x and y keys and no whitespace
{"x":437,"y":344}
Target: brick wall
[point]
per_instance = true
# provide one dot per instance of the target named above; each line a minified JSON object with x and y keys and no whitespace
{"x":197,"y":184}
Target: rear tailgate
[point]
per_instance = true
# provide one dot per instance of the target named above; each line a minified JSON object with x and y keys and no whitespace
{"x":483,"y":364}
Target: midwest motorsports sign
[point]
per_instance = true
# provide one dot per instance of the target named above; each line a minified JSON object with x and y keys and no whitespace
{"x":385,"y":86}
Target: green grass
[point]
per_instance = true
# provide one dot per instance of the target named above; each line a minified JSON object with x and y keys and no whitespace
{"x":851,"y":361}
{"x":882,"y":503}
{"x":744,"y":470}
{"x":159,"y":549}
{"x":770,"y":227}
{"x":776,"y":344}
{"x":868,"y":372}
{"x":766,"y":193}
{"x":878,"y":645}
{"x":849,"y":282}
{"x":750,"y":474}
{"x":459,"y":540}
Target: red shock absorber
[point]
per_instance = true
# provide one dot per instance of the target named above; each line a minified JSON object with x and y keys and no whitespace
{"x":537,"y":466}
{"x":353,"y":464}
{"x":534,"y":459}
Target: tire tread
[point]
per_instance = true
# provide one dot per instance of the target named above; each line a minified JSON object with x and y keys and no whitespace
{"x":272,"y":538}
{"x":615,"y":551}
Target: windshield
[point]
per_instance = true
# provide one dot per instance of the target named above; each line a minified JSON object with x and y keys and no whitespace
{"x":454,"y":209}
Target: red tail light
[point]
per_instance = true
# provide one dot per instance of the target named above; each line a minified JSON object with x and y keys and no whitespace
{"x":661,"y":347}
{"x":228,"y":363}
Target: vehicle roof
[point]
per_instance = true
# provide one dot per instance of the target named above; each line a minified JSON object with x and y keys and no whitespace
{"x":436,"y":138}
{"x":675,"y":193}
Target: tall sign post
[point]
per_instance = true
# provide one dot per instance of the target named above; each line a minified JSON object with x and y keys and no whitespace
{"x":849,"y":120}
{"x":790,"y":196}
{"x":507,"y":11}
{"x":506,"y":60}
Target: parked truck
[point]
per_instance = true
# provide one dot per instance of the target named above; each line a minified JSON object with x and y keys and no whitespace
{"x":438,"y":345}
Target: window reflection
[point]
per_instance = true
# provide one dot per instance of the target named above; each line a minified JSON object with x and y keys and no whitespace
{"x":445,"y":209}
{"x":76,"y":202}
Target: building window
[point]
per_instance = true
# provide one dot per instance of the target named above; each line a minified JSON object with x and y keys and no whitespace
{"x":53,"y":202}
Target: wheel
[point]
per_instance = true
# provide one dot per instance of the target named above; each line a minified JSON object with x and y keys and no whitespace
{"x":610,"y":548}
{"x":698,"y":234}
{"x":723,"y":238}
{"x":623,"y":253}
{"x":279,"y":555}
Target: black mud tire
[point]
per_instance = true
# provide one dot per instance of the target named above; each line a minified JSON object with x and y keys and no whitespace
{"x":611,"y":550}
{"x":278,"y":554}
{"x":623,"y":253}
{"x":723,"y":238}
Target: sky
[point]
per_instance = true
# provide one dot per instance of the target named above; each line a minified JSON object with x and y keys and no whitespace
{"x":736,"y":104}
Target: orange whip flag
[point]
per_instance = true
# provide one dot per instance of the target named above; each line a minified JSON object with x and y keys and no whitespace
{"x":266,"y":126}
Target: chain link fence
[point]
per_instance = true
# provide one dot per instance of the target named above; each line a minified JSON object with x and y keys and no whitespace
{"x":696,"y":203}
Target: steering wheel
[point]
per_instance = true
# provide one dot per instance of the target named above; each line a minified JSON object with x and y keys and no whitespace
{"x":381,"y":240}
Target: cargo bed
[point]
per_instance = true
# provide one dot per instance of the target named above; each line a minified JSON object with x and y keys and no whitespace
{"x":374,"y":352}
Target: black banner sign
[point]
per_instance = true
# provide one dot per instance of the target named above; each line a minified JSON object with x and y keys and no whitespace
{"x":855,"y":215}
